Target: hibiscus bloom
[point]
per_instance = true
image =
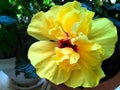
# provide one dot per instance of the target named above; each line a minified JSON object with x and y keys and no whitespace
{"x":71,"y":46}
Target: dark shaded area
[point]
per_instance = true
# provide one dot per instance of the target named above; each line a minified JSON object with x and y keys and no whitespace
{"x":111,"y":66}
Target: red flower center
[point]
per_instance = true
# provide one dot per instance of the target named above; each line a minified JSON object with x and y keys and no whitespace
{"x":67,"y":43}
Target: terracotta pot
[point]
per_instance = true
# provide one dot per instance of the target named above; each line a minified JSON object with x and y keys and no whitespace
{"x":19,"y":81}
{"x":110,"y":84}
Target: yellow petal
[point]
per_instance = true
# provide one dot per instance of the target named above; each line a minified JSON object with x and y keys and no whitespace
{"x":40,"y":55}
{"x":104,"y":33}
{"x":66,"y":58}
{"x":67,"y":8}
{"x":39,"y":26}
{"x":42,"y":22}
{"x":90,"y":53}
{"x":66,"y":54}
{"x":70,"y":19}
{"x":49,"y":69}
{"x":84,"y":25}
{"x":91,"y":58}
{"x":52,"y":13}
{"x":58,"y":32}
{"x":85,"y":77}
{"x":40,"y":51}
{"x":78,"y":14}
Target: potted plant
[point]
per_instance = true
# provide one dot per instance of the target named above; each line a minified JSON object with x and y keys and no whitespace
{"x":54,"y":48}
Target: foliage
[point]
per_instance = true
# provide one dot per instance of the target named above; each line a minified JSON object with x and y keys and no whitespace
{"x":8,"y":41}
{"x":8,"y":32}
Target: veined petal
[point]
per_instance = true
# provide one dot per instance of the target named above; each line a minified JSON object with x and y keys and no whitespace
{"x":39,"y":26}
{"x":67,"y":22}
{"x":42,"y":22}
{"x":40,"y":51}
{"x":84,"y":25}
{"x":85,"y":77}
{"x":49,"y":69}
{"x":90,"y":53}
{"x":66,"y":58}
{"x":52,"y":13}
{"x":67,"y":54}
{"x":91,"y":58}
{"x":58,"y":32}
{"x":40,"y":54}
{"x":104,"y":33}
{"x":67,"y":8}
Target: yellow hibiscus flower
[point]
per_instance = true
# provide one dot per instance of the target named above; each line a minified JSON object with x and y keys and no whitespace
{"x":71,"y":46}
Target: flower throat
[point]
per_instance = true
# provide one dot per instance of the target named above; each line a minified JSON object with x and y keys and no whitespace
{"x":67,"y":43}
